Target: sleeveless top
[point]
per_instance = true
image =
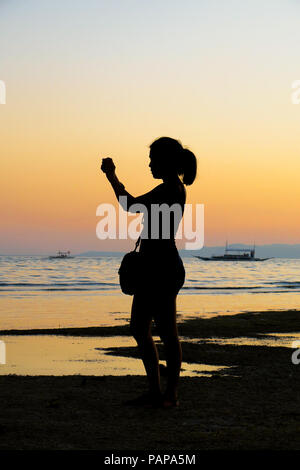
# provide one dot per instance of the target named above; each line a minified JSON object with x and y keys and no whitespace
{"x":162,"y":271}
{"x":164,"y":210}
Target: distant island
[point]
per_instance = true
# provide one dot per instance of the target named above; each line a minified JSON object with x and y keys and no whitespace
{"x":265,"y":251}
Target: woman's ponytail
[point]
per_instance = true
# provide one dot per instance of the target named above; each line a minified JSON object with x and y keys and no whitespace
{"x":188,"y":166}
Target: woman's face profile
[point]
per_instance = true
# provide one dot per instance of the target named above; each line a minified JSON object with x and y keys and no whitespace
{"x":155,"y":165}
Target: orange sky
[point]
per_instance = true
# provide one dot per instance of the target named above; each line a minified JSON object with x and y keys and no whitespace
{"x":79,"y":88}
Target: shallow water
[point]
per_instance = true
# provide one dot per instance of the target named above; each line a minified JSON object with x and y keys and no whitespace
{"x":271,"y":340}
{"x":58,"y":355}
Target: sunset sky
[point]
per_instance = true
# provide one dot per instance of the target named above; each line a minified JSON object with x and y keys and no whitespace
{"x":87,"y":79}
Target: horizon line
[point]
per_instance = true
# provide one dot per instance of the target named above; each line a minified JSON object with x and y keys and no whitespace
{"x":120,"y":251}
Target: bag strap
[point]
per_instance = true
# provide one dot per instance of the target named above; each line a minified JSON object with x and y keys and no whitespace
{"x":137,"y":243}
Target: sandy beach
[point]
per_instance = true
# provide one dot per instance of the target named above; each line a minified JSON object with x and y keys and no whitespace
{"x":252,"y":404}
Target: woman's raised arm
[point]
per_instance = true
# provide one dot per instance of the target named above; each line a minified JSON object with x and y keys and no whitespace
{"x":109,"y":169}
{"x":152,"y":197}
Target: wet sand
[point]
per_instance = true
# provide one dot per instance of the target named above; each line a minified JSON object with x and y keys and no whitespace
{"x":254,"y":404}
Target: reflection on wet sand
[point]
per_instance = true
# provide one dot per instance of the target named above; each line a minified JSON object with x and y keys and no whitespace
{"x":58,"y":355}
{"x":274,"y":340}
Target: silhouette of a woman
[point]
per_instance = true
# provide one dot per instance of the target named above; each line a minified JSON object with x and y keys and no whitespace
{"x":162,"y":269}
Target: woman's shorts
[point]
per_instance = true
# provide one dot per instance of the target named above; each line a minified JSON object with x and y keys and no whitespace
{"x":163,"y":274}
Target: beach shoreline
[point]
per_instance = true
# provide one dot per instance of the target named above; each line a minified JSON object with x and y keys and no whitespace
{"x":249,"y":323}
{"x":254,"y":404}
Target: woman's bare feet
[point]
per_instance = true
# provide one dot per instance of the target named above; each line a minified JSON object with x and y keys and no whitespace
{"x":170,"y":400}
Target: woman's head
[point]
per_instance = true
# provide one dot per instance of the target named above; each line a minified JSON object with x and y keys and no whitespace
{"x":169,"y":158}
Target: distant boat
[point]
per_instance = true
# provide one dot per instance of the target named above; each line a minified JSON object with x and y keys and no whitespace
{"x":241,"y":254}
{"x":62,"y":255}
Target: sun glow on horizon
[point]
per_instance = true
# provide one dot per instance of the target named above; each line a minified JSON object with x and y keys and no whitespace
{"x":89,"y":79}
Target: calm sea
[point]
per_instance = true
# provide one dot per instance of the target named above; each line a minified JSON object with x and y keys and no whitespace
{"x":37,"y":292}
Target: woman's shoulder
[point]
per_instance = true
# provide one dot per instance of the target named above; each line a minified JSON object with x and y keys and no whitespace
{"x":175,"y":190}
{"x":169,"y":191}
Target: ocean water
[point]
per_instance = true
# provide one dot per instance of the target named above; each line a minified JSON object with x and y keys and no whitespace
{"x":37,"y":292}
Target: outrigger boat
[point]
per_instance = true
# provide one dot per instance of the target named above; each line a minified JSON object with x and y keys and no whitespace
{"x":241,"y":254}
{"x":62,"y":255}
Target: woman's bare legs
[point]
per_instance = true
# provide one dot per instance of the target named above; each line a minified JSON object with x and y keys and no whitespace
{"x":140,"y":325}
{"x":165,"y":319}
